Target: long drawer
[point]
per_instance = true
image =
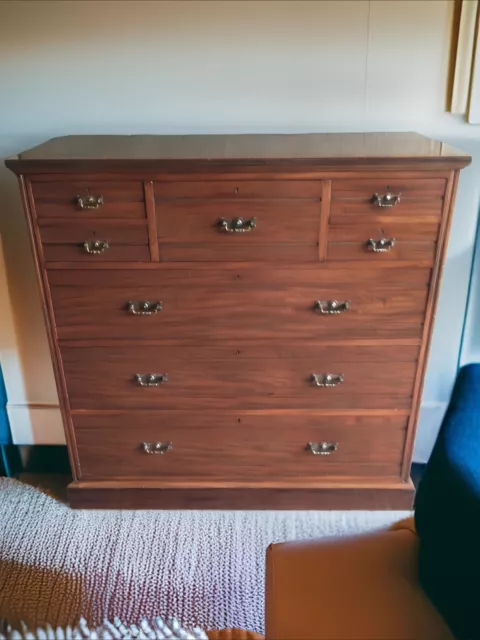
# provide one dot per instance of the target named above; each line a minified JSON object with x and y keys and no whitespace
{"x":239,"y":305}
{"x":237,"y":446}
{"x":329,"y":377}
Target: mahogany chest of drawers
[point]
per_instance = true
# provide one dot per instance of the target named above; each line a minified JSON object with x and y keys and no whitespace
{"x":239,"y":321}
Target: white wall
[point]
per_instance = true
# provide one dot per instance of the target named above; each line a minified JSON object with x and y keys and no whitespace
{"x":171,"y":67}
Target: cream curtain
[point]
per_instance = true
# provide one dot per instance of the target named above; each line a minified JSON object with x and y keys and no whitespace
{"x":465,"y":80}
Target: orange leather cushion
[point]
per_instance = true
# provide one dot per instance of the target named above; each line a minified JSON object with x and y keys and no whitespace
{"x":362,"y":588}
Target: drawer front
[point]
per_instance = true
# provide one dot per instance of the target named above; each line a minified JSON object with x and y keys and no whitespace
{"x":110,"y":199}
{"x":75,"y":240}
{"x":150,"y":377}
{"x":238,"y":446}
{"x":205,"y":230}
{"x":378,"y":239}
{"x":240,"y":306}
{"x":79,"y":253}
{"x":387,"y":195}
{"x":239,"y":189}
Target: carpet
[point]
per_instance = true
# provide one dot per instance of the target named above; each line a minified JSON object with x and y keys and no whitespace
{"x":204,"y":568}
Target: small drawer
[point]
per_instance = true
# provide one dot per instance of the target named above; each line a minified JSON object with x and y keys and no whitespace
{"x":316,"y":377}
{"x":223,"y":304}
{"x":237,"y":446}
{"x":95,"y":251}
{"x":60,"y":231}
{"x":84,"y":199}
{"x":372,"y":241}
{"x":239,"y":189}
{"x":387,"y":195}
{"x":249,"y":230}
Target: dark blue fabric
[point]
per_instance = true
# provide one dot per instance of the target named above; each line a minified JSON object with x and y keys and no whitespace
{"x":447,"y":512}
{"x":5,"y":435}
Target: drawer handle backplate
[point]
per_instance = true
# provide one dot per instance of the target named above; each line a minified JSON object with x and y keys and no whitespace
{"x":89,"y":202}
{"x":151,"y":379}
{"x":327,"y":379}
{"x":144,"y":308}
{"x":96,"y":247}
{"x":381,"y":246}
{"x":237,"y":225}
{"x":331,"y":307}
{"x":158,"y":448}
{"x":387,"y":200}
{"x":322,"y":448}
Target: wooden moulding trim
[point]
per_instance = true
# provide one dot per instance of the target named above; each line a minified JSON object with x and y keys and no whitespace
{"x":385,"y":173}
{"x":325,"y":212}
{"x":328,"y":496}
{"x":152,"y":221}
{"x":370,"y":482}
{"x":352,"y":265}
{"x":47,"y":308}
{"x":152,"y":167}
{"x":135,"y":342}
{"x":447,"y":215}
{"x":253,"y":412}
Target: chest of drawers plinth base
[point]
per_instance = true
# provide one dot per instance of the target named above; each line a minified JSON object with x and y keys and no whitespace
{"x":240,"y":322}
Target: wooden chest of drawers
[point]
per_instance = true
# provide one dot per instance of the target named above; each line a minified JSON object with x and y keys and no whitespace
{"x":240,"y":321}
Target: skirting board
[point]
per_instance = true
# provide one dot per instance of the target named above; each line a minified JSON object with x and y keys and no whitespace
{"x":42,"y":424}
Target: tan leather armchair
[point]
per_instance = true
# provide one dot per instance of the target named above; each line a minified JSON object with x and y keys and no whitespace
{"x":365,"y":587}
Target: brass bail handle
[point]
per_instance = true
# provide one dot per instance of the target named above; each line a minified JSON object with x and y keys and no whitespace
{"x":89,"y":201}
{"x":144,"y":308}
{"x":387,"y":200}
{"x":96,"y":246}
{"x":322,"y":448}
{"x":237,"y":225}
{"x":157,"y":448}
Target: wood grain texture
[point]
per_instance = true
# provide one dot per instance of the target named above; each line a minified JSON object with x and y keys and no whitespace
{"x":62,"y":231}
{"x":152,"y":221}
{"x":238,"y":334}
{"x":104,"y":378}
{"x":58,"y":199}
{"x":47,"y":309}
{"x":189,"y":229}
{"x":135,"y":495}
{"x":412,"y":252}
{"x":235,"y":309}
{"x":429,"y":319}
{"x":226,"y":447}
{"x":413,"y":188}
{"x":324,"y":216}
{"x":76,"y":253}
{"x":359,"y":208}
{"x":239,"y":189}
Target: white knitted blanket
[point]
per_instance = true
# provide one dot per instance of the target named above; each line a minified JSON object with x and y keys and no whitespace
{"x":204,"y":568}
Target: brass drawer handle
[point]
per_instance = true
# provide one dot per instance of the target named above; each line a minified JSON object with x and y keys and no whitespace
{"x":327,"y":379}
{"x":159,"y":448}
{"x":89,"y":202}
{"x":322,"y":448}
{"x":387,"y":200}
{"x":329,"y":307}
{"x":237,"y":225}
{"x":144,"y":308}
{"x":151,"y":379}
{"x":381,"y":246}
{"x":96,"y":247}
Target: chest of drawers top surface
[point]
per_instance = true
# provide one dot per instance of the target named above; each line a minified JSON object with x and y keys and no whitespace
{"x":240,"y":320}
{"x":322,"y":149}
